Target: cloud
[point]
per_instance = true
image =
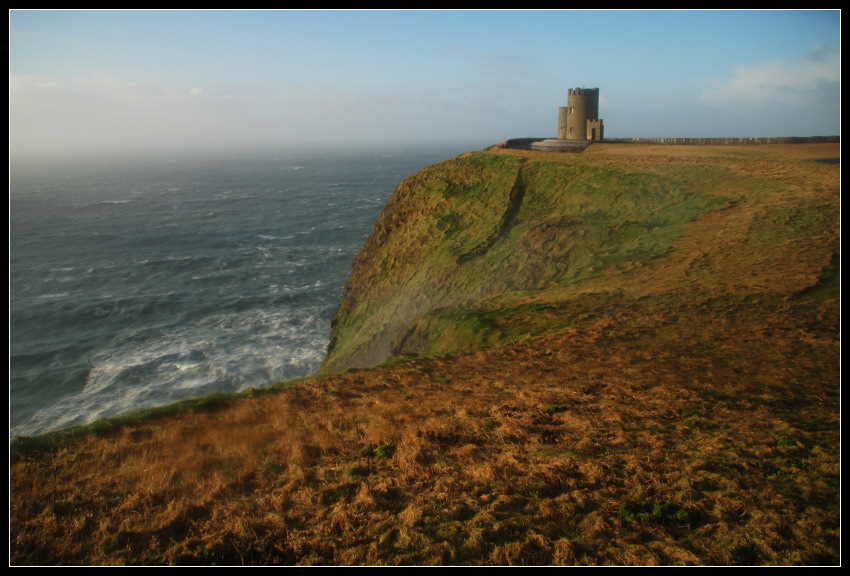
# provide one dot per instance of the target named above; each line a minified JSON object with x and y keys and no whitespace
{"x":796,"y":83}
{"x":497,"y":64}
{"x":23,"y":83}
{"x":101,"y":113}
{"x":798,"y":97}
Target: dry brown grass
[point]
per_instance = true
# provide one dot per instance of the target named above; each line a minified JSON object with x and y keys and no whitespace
{"x":635,"y":440}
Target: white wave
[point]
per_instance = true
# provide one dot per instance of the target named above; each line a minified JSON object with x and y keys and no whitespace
{"x":225,"y":353}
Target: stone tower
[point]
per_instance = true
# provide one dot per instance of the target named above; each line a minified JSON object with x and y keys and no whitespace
{"x":579,"y":119}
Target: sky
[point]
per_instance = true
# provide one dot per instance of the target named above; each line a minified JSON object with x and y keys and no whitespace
{"x":100,"y":82}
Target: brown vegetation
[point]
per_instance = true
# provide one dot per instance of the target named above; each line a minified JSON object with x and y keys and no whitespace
{"x":636,"y":440}
{"x":692,"y":419}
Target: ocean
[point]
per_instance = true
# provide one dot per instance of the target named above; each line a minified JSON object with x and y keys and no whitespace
{"x":135,"y":284}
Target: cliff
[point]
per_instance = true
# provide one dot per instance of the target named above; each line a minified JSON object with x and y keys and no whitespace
{"x":624,"y":356}
{"x":499,"y":245}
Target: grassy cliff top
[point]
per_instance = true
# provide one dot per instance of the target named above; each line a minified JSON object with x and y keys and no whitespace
{"x":497,"y":245}
{"x":627,"y":356}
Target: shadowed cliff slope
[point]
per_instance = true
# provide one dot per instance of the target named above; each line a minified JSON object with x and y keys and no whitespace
{"x":497,"y":245}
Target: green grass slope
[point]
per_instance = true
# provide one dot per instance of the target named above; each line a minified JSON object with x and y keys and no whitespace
{"x":497,"y":245}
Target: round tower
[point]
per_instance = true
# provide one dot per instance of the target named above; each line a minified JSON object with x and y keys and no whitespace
{"x":582,"y":105}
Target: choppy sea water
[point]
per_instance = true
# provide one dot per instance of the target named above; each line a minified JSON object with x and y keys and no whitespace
{"x":137,"y":284}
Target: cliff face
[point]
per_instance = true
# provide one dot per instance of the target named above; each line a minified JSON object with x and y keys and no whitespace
{"x":496,"y":245}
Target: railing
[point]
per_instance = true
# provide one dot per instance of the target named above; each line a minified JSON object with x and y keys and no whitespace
{"x":577,"y":145}
{"x":721,"y":141}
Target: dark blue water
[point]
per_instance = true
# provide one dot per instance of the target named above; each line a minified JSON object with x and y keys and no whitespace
{"x":136,"y":284}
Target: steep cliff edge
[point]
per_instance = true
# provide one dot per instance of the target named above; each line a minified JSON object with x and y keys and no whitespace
{"x":493,"y":246}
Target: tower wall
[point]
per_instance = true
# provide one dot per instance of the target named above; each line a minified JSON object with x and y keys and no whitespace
{"x":582,"y":105}
{"x":595,"y":130}
{"x":563,"y":121}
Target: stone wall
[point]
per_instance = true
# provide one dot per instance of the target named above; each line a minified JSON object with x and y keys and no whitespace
{"x":558,"y":145}
{"x":723,"y":141}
